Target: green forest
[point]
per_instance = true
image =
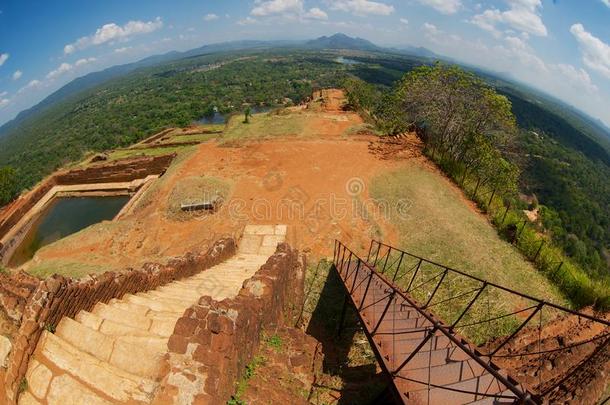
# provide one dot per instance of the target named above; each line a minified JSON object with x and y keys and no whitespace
{"x":544,"y":150}
{"x":470,"y":130}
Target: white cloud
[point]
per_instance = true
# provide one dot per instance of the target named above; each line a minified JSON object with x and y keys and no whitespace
{"x":274,"y":7}
{"x":125,"y":48}
{"x":17,"y":74}
{"x":210,"y":17}
{"x":522,"y":15}
{"x":84,"y":61}
{"x":579,"y":78}
{"x":525,"y":54}
{"x":31,"y":85}
{"x":112,"y":32}
{"x":431,"y":30}
{"x":316,"y":14}
{"x":361,"y":7}
{"x":443,"y":6}
{"x":247,"y":21}
{"x":404,"y":21}
{"x":606,"y":2}
{"x":285,"y":9}
{"x":61,"y":69}
{"x":66,"y":67}
{"x":3,"y":58}
{"x":3,"y":102}
{"x":595,"y":52}
{"x":4,"y":93}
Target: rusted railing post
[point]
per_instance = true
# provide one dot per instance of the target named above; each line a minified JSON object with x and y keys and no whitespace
{"x":414,"y":275}
{"x":385,"y":310}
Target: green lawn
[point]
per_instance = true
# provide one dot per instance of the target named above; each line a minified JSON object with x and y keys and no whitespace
{"x":436,"y":222}
{"x":265,"y":125}
{"x":440,"y":225}
{"x":129,"y":153}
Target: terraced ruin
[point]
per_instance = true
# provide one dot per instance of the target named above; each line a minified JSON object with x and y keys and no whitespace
{"x":162,"y":305}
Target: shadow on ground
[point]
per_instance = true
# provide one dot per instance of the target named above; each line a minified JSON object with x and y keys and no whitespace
{"x":350,"y":374}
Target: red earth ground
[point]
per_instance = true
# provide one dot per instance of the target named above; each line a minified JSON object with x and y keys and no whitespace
{"x":309,"y":184}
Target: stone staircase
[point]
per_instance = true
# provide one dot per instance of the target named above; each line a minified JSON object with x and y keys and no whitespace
{"x":113,"y":353}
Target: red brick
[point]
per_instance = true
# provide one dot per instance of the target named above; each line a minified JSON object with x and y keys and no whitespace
{"x":186,"y":327}
{"x":177,"y":344}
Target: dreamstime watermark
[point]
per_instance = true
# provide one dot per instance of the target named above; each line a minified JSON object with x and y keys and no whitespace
{"x":296,"y":205}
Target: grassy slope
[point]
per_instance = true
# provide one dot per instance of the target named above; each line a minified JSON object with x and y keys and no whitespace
{"x":442,"y":227}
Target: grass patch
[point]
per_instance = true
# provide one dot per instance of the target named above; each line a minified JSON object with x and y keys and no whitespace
{"x":48,"y":267}
{"x":242,"y":384}
{"x":275,"y":342}
{"x":566,"y":275}
{"x":130,"y":153}
{"x":196,"y":189}
{"x":262,"y":126}
{"x":362,"y":129}
{"x":192,"y":138}
{"x":439,"y":225}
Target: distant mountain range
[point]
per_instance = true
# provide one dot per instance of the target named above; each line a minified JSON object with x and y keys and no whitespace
{"x":342,"y":41}
{"x":336,"y":41}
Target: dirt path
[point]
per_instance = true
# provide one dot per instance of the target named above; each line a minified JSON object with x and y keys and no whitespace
{"x":315,"y":185}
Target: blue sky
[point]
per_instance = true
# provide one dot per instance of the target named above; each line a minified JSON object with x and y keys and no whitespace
{"x":561,"y":46}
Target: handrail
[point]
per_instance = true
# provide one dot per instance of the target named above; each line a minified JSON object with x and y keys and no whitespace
{"x":491,"y":284}
{"x":510,"y":383}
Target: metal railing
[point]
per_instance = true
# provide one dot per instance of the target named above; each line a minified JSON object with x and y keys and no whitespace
{"x":507,"y":325}
{"x":378,"y":299}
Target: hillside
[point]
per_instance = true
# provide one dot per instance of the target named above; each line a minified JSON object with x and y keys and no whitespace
{"x":118,"y":109}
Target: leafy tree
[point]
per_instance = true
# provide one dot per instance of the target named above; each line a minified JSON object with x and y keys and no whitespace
{"x":453,"y":105}
{"x":8,"y":184}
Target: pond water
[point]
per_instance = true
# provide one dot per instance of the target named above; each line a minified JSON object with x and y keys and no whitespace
{"x":217,"y":118}
{"x":63,"y":217}
{"x":346,"y":61}
{"x":258,"y":109}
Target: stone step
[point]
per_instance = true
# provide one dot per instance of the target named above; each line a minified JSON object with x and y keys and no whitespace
{"x":109,"y":327}
{"x":144,"y":310}
{"x":186,"y":298}
{"x":158,"y":304}
{"x":116,"y":350}
{"x":99,"y":376}
{"x":175,"y":292}
{"x":119,"y":316}
{"x":131,"y":319}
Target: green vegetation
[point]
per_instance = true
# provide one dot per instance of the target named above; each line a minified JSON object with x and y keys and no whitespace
{"x":66,"y":268}
{"x":469,"y":132}
{"x":242,"y":384}
{"x":434,"y":222}
{"x":558,"y":154}
{"x":126,"y":110}
{"x":274,"y":342}
{"x":8,"y":184}
{"x":194,"y":190}
{"x":130,"y":153}
{"x":262,"y":126}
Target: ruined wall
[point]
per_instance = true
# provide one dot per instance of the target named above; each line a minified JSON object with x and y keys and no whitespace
{"x":119,"y":171}
{"x":57,"y":296}
{"x":15,"y":291}
{"x":214,"y":341}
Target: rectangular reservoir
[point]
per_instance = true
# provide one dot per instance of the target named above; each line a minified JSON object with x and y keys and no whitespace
{"x":65,"y":216}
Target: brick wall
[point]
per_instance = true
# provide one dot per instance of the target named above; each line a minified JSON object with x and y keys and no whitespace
{"x":214,"y":341}
{"x":57,"y":296}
